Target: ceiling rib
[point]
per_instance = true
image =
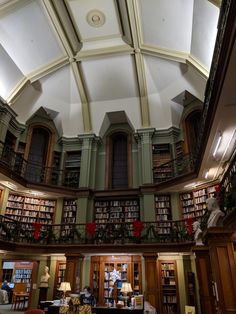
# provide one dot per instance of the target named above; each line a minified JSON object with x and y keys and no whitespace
{"x":49,"y":68}
{"x":136,"y":33}
{"x":83,"y":96}
{"x":104,"y":52}
{"x":77,"y":73}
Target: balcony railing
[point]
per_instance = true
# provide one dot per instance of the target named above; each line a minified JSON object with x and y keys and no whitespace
{"x":35,"y":173}
{"x":175,"y":168}
{"x":91,"y":233}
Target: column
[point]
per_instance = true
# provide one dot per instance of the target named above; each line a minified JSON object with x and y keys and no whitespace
{"x":6,"y":115}
{"x":151,"y":276}
{"x":74,"y":270}
{"x":86,"y":159}
{"x":145,"y":145}
{"x":221,"y":250}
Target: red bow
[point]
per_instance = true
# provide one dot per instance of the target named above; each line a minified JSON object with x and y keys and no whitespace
{"x":91,"y":228}
{"x":137,"y":228}
{"x":37,"y":227}
{"x":190,"y":226}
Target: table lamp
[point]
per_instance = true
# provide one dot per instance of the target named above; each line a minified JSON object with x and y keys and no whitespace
{"x":125,"y":289}
{"x":64,"y":286}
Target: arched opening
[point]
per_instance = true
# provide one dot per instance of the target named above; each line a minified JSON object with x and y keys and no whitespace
{"x":193,"y":122}
{"x":119,"y":161}
{"x":38,"y":154}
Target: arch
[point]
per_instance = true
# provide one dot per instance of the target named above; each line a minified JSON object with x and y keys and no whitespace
{"x":118,"y":160}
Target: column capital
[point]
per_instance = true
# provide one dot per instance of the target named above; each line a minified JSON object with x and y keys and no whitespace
{"x":144,"y":135}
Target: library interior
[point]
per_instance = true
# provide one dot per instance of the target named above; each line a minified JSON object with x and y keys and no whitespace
{"x":118,"y":156}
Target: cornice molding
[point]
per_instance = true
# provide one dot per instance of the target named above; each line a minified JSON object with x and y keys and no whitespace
{"x":16,"y":91}
{"x":168,"y":54}
{"x":196,"y":64}
{"x":12,"y":5}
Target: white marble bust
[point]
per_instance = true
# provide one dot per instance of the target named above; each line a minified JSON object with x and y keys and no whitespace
{"x":215,"y":213}
{"x":197,"y":233}
{"x":44,"y":278}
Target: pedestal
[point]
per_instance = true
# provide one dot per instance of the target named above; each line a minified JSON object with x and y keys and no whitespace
{"x":42,"y":294}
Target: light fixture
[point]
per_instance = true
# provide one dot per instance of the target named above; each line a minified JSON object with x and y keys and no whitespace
{"x":206,"y":174}
{"x":64,"y":286}
{"x":125,"y":289}
{"x":219,"y":138}
{"x":230,"y":144}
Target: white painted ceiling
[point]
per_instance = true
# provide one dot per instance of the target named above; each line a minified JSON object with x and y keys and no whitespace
{"x":83,"y":58}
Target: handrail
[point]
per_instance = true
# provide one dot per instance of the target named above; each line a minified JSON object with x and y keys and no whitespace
{"x":82,"y":234}
{"x":174,"y":168}
{"x":35,"y":173}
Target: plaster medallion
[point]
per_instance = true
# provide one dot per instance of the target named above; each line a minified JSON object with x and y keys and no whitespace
{"x":95,"y":18}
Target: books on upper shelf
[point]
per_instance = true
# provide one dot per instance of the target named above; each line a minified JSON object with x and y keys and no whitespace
{"x":163,"y":213}
{"x":30,"y":209}
{"x":193,"y":203}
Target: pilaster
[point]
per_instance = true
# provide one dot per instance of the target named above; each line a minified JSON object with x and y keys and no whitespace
{"x":144,"y":138}
{"x":151,"y":283}
{"x":73,"y":274}
{"x":86,"y":159}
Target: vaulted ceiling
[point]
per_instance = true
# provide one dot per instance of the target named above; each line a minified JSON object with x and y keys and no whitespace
{"x":80,"y":59}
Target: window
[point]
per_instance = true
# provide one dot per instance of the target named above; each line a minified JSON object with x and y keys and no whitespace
{"x":119,"y":161}
{"x":38,"y":154}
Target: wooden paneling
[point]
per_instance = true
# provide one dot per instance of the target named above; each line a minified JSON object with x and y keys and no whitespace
{"x":203,"y":265}
{"x":223,"y":266}
{"x":151,"y":279}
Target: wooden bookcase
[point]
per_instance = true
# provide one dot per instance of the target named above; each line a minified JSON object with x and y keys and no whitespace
{"x":169,"y":294}
{"x":56,"y":167}
{"x":193,"y":203}
{"x":72,"y":169}
{"x":60,"y":277}
{"x":163,"y":213}
{"x":129,"y":268}
{"x":68,"y":217}
{"x":30,"y":209}
{"x":116,"y":210}
{"x":161,"y":155}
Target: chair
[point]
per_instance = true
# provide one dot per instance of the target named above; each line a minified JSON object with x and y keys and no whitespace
{"x":19,"y":295}
{"x":34,"y":311}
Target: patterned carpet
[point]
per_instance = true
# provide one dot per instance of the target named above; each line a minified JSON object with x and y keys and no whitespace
{"x":6,"y":309}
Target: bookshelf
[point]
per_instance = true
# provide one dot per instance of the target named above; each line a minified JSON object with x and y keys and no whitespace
{"x":116,"y":211}
{"x":193,"y":203}
{"x":169,"y":295}
{"x":102,"y":277}
{"x":22,"y":273}
{"x":30,"y":209}
{"x":163,"y":213}
{"x":72,"y":168}
{"x":56,"y":167}
{"x":161,"y":155}
{"x":60,"y":276}
{"x":68,"y":217}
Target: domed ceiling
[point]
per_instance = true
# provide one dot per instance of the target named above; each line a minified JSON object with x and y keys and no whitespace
{"x":80,"y":59}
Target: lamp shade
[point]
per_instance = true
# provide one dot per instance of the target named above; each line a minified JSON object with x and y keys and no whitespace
{"x":65,"y":286}
{"x":126,"y":287}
